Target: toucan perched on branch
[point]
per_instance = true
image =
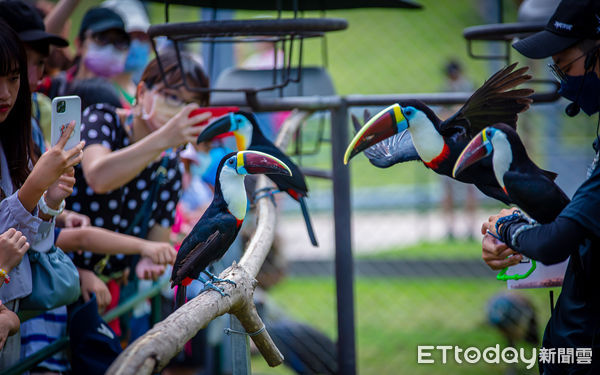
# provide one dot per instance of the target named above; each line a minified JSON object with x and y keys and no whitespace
{"x":528,"y":186}
{"x":248,"y":136}
{"x":418,"y":134}
{"x":219,"y":226}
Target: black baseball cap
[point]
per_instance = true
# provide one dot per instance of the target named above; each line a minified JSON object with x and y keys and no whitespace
{"x":28,"y":23}
{"x":572,"y":21}
{"x":101,"y":19}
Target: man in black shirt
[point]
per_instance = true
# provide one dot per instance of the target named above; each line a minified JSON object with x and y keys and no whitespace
{"x":572,"y":336}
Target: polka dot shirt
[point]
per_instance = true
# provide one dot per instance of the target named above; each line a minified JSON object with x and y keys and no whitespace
{"x":117,"y":209}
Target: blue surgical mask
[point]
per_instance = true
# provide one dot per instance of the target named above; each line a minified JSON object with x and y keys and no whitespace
{"x":139,"y":52}
{"x":585,"y":90}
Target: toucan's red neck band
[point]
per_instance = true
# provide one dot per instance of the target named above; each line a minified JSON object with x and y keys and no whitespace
{"x":435,"y":163}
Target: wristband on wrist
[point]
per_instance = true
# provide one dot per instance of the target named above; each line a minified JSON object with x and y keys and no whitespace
{"x":4,"y":275}
{"x":47,"y":210}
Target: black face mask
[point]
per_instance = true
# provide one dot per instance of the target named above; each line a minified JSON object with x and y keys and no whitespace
{"x":583,"y":90}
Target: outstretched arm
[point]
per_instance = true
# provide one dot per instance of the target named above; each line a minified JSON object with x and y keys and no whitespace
{"x":103,"y":241}
{"x":549,"y":243}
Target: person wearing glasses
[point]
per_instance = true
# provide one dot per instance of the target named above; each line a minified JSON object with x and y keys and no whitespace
{"x":572,"y":39}
{"x":136,"y":24}
{"x":125,"y":151}
{"x":102,"y":48}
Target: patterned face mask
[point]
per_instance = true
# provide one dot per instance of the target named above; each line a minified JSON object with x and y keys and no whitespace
{"x":104,"y":61}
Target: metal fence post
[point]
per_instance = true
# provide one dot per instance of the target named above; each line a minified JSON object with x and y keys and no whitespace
{"x":344,"y":272}
{"x":240,"y":348}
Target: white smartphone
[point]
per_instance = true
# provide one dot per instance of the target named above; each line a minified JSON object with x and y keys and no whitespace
{"x":64,"y":110}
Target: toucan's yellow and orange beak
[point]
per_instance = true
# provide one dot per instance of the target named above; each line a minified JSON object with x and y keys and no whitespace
{"x":479,"y":147}
{"x":255,"y":162}
{"x":383,"y":125}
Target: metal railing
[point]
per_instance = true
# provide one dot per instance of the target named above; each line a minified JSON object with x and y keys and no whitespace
{"x":61,"y":343}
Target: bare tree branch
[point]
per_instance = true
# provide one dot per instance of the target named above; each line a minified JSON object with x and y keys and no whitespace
{"x":154,"y":350}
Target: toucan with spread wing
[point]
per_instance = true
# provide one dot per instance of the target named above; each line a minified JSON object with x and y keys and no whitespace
{"x":249,"y":136}
{"x":528,"y":186}
{"x":418,"y":134}
{"x":219,"y":226}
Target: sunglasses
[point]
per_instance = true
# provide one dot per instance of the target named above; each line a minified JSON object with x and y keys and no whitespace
{"x":119,"y":41}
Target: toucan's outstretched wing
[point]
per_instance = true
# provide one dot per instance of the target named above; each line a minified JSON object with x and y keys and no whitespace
{"x":494,"y":102}
{"x":395,"y":149}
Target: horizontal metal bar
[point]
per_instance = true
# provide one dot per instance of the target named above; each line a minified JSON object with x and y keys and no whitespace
{"x":357,"y":100}
{"x":29,"y":362}
{"x":302,"y":5}
{"x":316,"y":172}
{"x":502,"y":31}
{"x":133,"y":301}
{"x":289,"y":26}
{"x":286,"y":103}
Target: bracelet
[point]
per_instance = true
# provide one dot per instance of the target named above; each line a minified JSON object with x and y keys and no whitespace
{"x":514,"y":217}
{"x":49,"y":211}
{"x":4,"y":275}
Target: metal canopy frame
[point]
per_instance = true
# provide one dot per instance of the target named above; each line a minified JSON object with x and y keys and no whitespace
{"x":286,"y":32}
{"x":499,"y":32}
{"x":295,"y":5}
{"x":506,"y":33}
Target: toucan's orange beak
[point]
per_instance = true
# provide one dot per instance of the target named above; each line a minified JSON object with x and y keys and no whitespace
{"x":383,"y":125}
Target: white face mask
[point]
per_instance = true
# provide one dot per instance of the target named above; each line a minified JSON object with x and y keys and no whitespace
{"x":160,"y":112}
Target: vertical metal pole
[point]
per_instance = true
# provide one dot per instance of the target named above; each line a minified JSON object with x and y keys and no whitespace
{"x":240,"y":348}
{"x":344,"y":270}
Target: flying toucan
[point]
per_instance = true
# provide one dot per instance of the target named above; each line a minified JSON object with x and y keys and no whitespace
{"x":528,"y":186}
{"x":248,"y":136}
{"x":219,"y":226}
{"x":418,"y":134}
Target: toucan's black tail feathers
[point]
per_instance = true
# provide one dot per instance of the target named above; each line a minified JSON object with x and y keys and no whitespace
{"x":309,"y":227}
{"x":180,"y":296}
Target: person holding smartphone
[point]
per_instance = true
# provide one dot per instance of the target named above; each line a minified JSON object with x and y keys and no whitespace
{"x":25,"y":179}
{"x":126,"y":152}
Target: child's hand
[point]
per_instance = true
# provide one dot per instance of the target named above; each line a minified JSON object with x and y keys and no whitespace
{"x":90,"y":283}
{"x":72,"y":219}
{"x":9,"y":324}
{"x":13,"y":246}
{"x":159,"y":252}
{"x":147,"y":270}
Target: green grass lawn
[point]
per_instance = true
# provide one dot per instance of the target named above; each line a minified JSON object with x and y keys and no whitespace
{"x":394,"y":316}
{"x":457,"y":249}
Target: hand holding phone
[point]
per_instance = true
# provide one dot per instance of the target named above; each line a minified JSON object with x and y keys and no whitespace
{"x":66,"y":109}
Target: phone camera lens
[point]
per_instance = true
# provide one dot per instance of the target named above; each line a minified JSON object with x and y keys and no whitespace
{"x":61,"y":106}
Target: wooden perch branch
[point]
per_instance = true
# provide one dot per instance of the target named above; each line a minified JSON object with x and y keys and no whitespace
{"x":154,"y":350}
